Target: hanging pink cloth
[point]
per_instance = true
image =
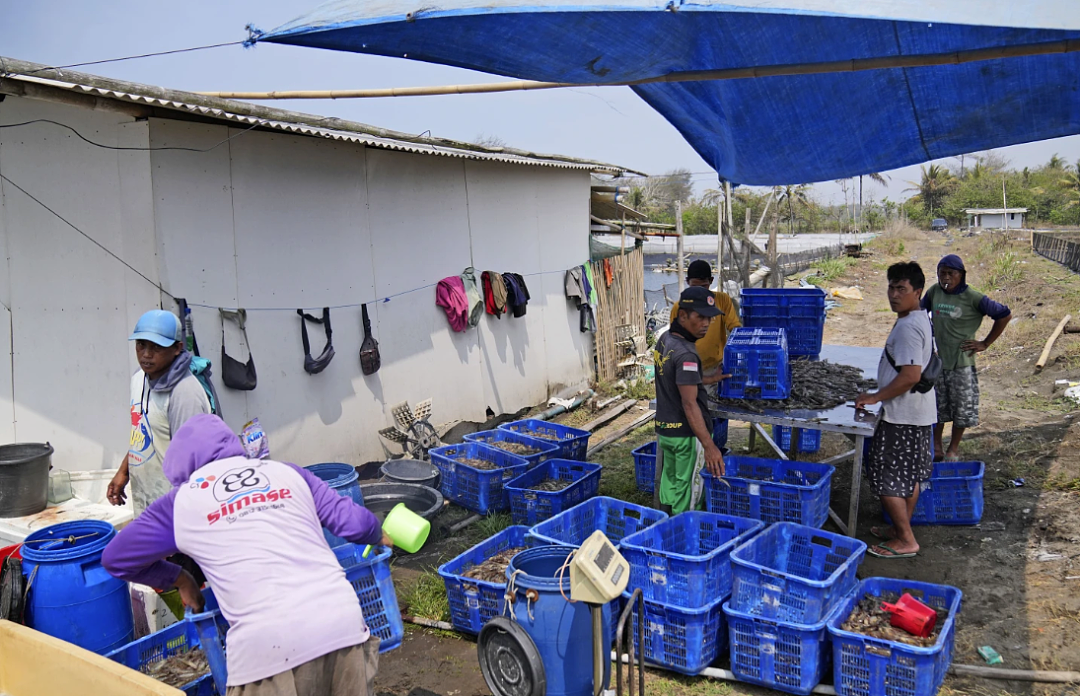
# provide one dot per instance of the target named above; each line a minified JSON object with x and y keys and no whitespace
{"x":450,"y":295}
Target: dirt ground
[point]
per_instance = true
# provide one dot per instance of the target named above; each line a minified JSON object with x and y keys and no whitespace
{"x":1019,"y":569}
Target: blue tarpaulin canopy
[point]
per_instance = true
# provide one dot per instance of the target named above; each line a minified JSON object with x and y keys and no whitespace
{"x":791,"y":128}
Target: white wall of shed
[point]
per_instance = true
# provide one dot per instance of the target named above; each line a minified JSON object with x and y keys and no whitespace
{"x":271,"y":220}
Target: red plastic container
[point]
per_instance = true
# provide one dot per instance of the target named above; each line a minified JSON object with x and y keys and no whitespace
{"x":911,"y":615}
{"x":10,"y":551}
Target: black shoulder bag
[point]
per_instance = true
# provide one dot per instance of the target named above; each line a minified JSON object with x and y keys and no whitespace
{"x":314,"y":366}
{"x":931,"y":371}
{"x":370,"y":360}
{"x":235,"y":374}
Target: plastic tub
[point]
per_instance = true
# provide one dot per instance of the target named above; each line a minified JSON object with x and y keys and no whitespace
{"x":684,"y":560}
{"x":343,"y":479}
{"x":24,"y":478}
{"x":381,"y":498}
{"x":411,"y":471}
{"x":794,"y":573}
{"x":71,"y":596}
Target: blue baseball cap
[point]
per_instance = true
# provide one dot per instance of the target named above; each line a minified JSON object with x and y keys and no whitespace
{"x":158,"y":326}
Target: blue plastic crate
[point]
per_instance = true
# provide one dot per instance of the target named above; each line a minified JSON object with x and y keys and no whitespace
{"x":645,"y":467}
{"x":794,"y":573}
{"x":528,"y":506}
{"x":952,"y":496}
{"x":757,"y":360}
{"x":615,"y":518}
{"x":865,"y":666}
{"x":719,"y":432}
{"x":684,"y":560}
{"x":800,"y":311}
{"x":475,"y":489}
{"x":809,"y":440}
{"x":370,"y":578}
{"x":771,"y":490}
{"x":780,"y":655}
{"x":206,"y":630}
{"x":475,"y":602}
{"x":682,"y":640}
{"x":573,"y":443}
{"x":548,"y":449}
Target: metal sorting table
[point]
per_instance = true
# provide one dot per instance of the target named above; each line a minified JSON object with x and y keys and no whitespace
{"x":857,"y":426}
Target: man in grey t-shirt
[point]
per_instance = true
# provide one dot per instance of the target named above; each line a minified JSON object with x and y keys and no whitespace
{"x":900,"y":456}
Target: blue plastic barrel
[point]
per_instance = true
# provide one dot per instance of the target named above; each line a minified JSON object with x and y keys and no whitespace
{"x":343,"y":479}
{"x":562,"y":631}
{"x":71,"y":596}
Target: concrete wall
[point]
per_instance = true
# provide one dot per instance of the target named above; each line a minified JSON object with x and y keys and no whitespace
{"x":995,"y":221}
{"x":272,"y":222}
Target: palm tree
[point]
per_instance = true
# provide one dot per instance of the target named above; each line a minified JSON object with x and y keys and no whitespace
{"x":877,"y":178}
{"x":936,"y":182}
{"x":1056,"y":163}
{"x":1071,"y":182}
{"x":793,"y":195}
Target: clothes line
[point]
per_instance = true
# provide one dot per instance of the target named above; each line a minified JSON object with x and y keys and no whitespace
{"x":346,"y":306}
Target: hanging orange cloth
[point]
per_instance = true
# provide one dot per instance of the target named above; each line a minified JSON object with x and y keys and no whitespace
{"x":609,"y":275}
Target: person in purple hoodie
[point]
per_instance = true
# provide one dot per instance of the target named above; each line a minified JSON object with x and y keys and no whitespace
{"x":255,"y":528}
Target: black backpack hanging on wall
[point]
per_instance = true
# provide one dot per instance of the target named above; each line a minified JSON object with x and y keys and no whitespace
{"x":235,"y":374}
{"x":370,"y":360}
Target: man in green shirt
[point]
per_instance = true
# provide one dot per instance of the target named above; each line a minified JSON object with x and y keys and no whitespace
{"x":958,"y":312}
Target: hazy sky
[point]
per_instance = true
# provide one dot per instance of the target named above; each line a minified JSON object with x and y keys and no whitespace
{"x":607,"y":124}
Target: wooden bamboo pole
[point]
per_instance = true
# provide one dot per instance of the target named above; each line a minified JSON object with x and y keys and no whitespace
{"x":1050,"y":342}
{"x":783,"y":70}
{"x":679,"y":241}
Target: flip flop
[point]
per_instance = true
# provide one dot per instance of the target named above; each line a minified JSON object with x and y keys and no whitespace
{"x":879,"y":532}
{"x":939,"y":458}
{"x":882,"y":551}
{"x":952,"y":457}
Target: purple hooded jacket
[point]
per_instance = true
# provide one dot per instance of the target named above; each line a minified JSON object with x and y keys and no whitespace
{"x":255,"y":528}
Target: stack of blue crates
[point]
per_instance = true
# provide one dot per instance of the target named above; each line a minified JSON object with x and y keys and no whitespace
{"x":757,"y":360}
{"x":800,"y":311}
{"x":682,"y":566}
{"x":479,"y":490}
{"x":787,"y":583}
{"x":809,"y":440}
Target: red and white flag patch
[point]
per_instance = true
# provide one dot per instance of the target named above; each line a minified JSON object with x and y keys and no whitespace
{"x":689,"y":367}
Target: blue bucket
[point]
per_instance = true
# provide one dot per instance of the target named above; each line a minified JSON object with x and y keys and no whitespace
{"x":71,"y":596}
{"x":343,"y":479}
{"x":561,"y":631}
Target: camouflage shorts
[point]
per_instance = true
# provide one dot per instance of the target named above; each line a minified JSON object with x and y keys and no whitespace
{"x":958,"y":397}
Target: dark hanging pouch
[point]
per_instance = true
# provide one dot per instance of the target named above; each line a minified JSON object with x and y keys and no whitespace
{"x":314,"y":366}
{"x":370,"y":360}
{"x":235,"y":374}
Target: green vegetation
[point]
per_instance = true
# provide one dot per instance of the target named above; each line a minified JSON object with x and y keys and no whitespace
{"x":829,"y":270}
{"x":426,"y":597}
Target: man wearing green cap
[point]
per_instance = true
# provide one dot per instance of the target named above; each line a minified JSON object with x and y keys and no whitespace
{"x":164,"y":395}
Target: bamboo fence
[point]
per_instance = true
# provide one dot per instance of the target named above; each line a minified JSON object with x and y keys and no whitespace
{"x":1061,"y":247}
{"x":620,"y":316}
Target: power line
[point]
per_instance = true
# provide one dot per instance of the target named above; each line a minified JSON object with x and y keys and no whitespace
{"x":143,"y":55}
{"x":127,"y":149}
{"x":84,"y":234}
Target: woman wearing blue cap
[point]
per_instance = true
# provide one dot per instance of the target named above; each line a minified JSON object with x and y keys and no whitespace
{"x":164,"y":395}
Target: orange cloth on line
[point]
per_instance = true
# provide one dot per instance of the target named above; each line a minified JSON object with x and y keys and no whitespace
{"x":609,"y":274}
{"x":711,"y":347}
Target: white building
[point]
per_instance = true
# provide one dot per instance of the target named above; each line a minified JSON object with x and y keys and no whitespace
{"x":996,"y":218}
{"x":269,"y":213}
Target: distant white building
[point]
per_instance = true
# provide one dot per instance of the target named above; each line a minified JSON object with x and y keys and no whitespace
{"x":996,"y":218}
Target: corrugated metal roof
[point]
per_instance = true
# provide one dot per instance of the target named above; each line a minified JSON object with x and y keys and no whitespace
{"x":420,"y":145}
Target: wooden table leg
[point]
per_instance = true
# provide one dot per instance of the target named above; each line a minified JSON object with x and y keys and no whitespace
{"x":856,"y":484}
{"x":796,"y":437}
{"x":752,"y":442}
